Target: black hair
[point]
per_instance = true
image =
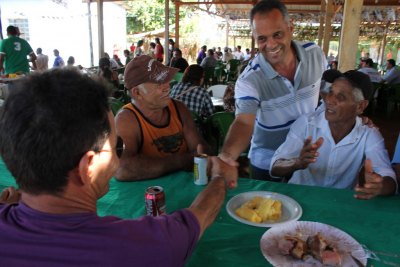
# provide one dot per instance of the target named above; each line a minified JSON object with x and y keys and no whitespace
{"x":369,"y":62}
{"x":71,"y":60}
{"x":105,"y":71}
{"x":49,"y":121}
{"x":193,"y":74}
{"x":178,"y":51}
{"x":12,"y":30}
{"x":392,"y":62}
{"x":265,"y":6}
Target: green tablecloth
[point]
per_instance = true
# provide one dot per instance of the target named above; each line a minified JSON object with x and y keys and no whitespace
{"x":374,"y":223}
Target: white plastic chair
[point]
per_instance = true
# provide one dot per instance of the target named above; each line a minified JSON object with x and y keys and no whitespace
{"x":217,"y":90}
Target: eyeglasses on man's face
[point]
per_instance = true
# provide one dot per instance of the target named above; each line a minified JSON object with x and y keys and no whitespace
{"x":119,"y":147}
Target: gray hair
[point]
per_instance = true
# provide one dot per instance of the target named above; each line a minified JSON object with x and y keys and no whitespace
{"x":142,"y":88}
{"x":358,"y":94}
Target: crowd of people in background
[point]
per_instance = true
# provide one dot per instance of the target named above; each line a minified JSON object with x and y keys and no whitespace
{"x":40,"y":60}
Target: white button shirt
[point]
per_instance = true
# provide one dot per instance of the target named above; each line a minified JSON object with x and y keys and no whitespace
{"x":338,"y":164}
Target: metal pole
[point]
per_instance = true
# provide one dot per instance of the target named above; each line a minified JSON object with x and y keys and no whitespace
{"x":90,"y":35}
{"x":100,"y":27}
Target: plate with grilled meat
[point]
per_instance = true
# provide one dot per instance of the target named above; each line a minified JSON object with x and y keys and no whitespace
{"x":304,"y":243}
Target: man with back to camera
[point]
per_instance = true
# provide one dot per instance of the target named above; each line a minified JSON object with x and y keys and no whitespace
{"x":159,"y":133}
{"x":281,"y":83}
{"x":209,"y":61}
{"x":63,"y":154}
{"x":13,"y":53}
{"x":367,"y":68}
{"x":392,"y":75}
{"x":42,"y":61}
{"x":328,"y":147}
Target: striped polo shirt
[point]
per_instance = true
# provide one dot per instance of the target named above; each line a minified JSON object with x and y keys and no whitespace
{"x":275,"y":101}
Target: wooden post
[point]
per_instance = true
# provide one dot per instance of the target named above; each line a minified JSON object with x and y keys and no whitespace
{"x":100,"y":27}
{"x":177,"y":5}
{"x":328,"y":26}
{"x":321,"y":22}
{"x":227,"y":31}
{"x":349,"y":34}
{"x":166,"y":33}
{"x":382,"y":50}
{"x":253,"y":41}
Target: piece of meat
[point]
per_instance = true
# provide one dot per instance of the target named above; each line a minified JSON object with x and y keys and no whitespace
{"x":331,"y":258}
{"x":285,"y":246}
{"x":316,"y":245}
{"x":292,"y":245}
{"x":299,"y":249}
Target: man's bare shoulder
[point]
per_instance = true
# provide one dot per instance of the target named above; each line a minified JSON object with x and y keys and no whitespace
{"x":125,"y":119}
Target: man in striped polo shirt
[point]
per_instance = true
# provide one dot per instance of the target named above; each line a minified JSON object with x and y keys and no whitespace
{"x":281,"y":83}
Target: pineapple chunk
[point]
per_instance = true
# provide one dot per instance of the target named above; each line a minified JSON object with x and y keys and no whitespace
{"x":269,"y":209}
{"x":259,"y":209}
{"x":248,"y":214}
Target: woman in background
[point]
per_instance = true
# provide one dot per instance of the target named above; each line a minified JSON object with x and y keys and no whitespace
{"x":139,"y":49}
{"x":107,"y":73}
{"x":191,"y":92}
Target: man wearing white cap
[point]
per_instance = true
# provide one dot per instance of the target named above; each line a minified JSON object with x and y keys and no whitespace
{"x":159,"y":133}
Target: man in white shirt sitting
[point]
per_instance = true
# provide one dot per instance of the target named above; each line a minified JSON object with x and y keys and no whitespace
{"x":329,"y":147}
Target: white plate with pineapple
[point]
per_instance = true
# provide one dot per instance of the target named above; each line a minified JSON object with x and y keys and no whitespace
{"x":263,"y":208}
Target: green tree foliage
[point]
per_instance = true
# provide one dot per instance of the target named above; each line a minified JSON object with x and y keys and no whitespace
{"x":148,"y":15}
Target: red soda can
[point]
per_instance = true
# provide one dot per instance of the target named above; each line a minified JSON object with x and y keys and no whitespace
{"x":154,"y":198}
